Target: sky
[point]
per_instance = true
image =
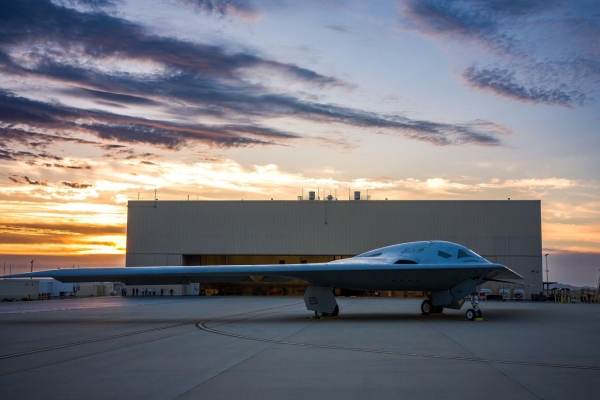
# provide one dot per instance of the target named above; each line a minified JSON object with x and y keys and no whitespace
{"x":105,"y":101}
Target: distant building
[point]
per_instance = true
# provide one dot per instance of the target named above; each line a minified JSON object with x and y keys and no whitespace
{"x":18,"y":289}
{"x":163,"y":233}
{"x":34,"y":289}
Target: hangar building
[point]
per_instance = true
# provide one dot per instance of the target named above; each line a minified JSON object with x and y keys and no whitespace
{"x":162,"y":233}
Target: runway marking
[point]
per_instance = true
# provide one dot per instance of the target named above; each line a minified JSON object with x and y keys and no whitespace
{"x":62,"y":346}
{"x":202,"y":325}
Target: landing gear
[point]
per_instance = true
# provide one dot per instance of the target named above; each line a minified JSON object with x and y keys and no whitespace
{"x":426,"y":307}
{"x":474,"y":312}
{"x":335,"y":313}
{"x":471,"y":314}
{"x":321,"y":300}
{"x":438,"y":309}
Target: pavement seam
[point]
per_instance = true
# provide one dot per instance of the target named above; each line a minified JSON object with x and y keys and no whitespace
{"x":95,"y":354}
{"x":202,"y":325}
{"x":242,"y":361}
{"x":66,"y":345}
{"x":491,"y":364}
{"x":62,"y":346}
{"x":251,"y":317}
{"x":251,"y":312}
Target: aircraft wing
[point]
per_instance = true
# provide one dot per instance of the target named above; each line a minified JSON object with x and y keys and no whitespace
{"x":360,"y":274}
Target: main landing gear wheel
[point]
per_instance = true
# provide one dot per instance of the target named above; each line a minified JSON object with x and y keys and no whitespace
{"x":471,"y":314}
{"x":426,"y":307}
{"x":318,"y":314}
{"x":479,"y":314}
{"x":438,"y":309}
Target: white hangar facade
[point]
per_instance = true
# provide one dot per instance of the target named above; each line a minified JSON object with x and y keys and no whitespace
{"x":161,"y":233}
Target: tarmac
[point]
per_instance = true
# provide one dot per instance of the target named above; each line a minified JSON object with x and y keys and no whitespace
{"x":271,"y":347}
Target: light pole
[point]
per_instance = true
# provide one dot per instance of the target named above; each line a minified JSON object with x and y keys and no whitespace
{"x":32,"y":267}
{"x":547,"y":279}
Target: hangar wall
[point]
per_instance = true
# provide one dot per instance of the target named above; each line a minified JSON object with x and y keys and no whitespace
{"x":163,"y":232}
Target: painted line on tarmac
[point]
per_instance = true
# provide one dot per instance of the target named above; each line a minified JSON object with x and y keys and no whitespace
{"x":62,"y":346}
{"x":202,"y":325}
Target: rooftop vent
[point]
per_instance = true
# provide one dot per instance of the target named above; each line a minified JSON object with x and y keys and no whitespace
{"x":311,"y":195}
{"x":356,"y":195}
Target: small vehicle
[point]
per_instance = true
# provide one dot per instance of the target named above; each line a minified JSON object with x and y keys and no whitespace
{"x":519,"y":292}
{"x":504,"y":292}
{"x":485,"y":291}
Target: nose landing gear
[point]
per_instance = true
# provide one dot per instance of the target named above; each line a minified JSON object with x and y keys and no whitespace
{"x":474,"y":312}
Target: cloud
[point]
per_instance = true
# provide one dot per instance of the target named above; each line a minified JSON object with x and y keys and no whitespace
{"x":486,"y":21}
{"x":189,"y":80}
{"x":109,"y":126}
{"x":68,"y":166}
{"x":77,"y":185}
{"x":338,"y":28}
{"x":100,"y":36}
{"x":112,"y":98}
{"x":25,"y":179}
{"x":504,"y":83}
{"x":38,"y":229}
{"x":113,"y":146}
{"x":550,"y":45}
{"x":89,"y":4}
{"x":33,"y":230}
{"x":14,"y":155}
{"x":240,"y":8}
{"x":55,"y":118}
{"x":533,"y":183}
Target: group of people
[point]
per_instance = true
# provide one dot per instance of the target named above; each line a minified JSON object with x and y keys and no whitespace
{"x":148,"y":291}
{"x":145,"y":291}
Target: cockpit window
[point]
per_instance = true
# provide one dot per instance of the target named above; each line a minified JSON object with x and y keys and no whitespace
{"x":465,"y":253}
{"x":369,"y":255}
{"x":443,"y":254}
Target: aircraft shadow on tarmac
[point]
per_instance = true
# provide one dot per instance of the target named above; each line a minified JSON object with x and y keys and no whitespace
{"x":370,"y":317}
